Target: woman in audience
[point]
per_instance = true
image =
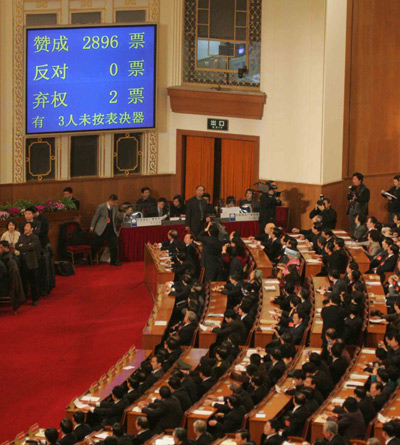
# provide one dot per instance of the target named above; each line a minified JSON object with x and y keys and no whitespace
{"x":372,"y":244}
{"x":11,"y":235}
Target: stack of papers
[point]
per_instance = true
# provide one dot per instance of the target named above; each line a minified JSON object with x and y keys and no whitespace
{"x":269,"y":287}
{"x":200,"y":412}
{"x":90,"y":399}
{"x":353,"y":383}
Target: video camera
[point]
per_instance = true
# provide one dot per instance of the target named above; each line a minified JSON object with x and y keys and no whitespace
{"x":266,"y":187}
{"x":352,"y":193}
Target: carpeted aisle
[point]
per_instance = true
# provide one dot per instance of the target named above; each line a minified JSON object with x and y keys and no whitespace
{"x":53,"y":352}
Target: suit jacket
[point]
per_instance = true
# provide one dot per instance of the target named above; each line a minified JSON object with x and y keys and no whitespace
{"x":297,"y":332}
{"x":360,"y":205}
{"x":183,"y":397}
{"x":152,"y":378}
{"x":175,"y":245}
{"x":273,"y":249}
{"x":30,"y":250}
{"x":171,"y":359}
{"x":360,"y":231}
{"x":389,"y":264}
{"x":81,"y":431}
{"x":227,"y":328}
{"x":332,"y":317}
{"x":338,"y":368}
{"x":367,"y":409}
{"x":68,"y":439}
{"x":275,"y":439}
{"x":146,"y":206}
{"x":233,"y":420}
{"x":125,"y":439}
{"x":211,"y":256}
{"x":276,"y":371}
{"x":379,"y":401}
{"x":351,"y":425}
{"x":394,"y":441}
{"x":99,"y":221}
{"x":205,"y":386}
{"x":337,"y":440}
{"x":142,"y":437}
{"x":259,"y":393}
{"x":296,"y":421}
{"x":186,"y":334}
{"x":394,"y":204}
{"x":44,"y":230}
{"x":110,"y":412}
{"x":248,"y":322}
{"x":268,"y":206}
{"x":204,"y":439}
{"x":194,"y":218}
{"x":166,"y":414}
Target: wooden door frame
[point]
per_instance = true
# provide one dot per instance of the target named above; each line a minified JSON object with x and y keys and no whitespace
{"x":180,"y":168}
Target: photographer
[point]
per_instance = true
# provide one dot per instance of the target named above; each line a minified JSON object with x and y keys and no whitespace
{"x":393,"y":196}
{"x":324,"y":208}
{"x":269,"y":200}
{"x":358,"y":198}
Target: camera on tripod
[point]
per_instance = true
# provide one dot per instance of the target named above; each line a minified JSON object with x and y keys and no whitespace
{"x":266,"y":187}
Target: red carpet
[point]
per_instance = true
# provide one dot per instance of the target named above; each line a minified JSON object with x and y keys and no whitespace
{"x":53,"y":352}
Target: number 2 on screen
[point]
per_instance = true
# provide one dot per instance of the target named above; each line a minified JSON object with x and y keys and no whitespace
{"x":113,"y":95}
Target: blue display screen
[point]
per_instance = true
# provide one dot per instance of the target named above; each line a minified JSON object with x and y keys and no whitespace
{"x":90,"y":79}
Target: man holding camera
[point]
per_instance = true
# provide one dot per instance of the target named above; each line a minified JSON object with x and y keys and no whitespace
{"x":268,"y":203}
{"x":324,"y":208}
{"x":358,"y":198}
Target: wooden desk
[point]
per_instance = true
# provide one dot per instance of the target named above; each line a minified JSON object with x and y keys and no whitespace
{"x":103,"y":391}
{"x":342,"y":390}
{"x":264,"y":327}
{"x":357,"y":252}
{"x":155,"y":270}
{"x":275,"y":402}
{"x":217,"y":305}
{"x":191,"y":356}
{"x":153,"y":332}
{"x":313,"y":263}
{"x":392,"y":409}
{"x":316,"y":328}
{"x":377,"y":301}
{"x":259,"y":256}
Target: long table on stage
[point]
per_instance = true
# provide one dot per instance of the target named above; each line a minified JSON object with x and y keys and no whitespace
{"x":132,"y":239}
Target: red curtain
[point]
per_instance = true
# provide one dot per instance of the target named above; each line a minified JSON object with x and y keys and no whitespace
{"x":237,"y":167}
{"x":199,"y":167}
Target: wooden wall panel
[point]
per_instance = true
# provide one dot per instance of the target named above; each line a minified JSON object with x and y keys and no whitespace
{"x":372,"y":100}
{"x":91,"y":191}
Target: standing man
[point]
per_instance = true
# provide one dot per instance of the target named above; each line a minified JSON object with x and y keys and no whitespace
{"x":69,"y":193}
{"x":394,"y":203}
{"x":196,"y":208}
{"x":104,"y":225}
{"x":358,"y":198}
{"x":29,"y":247}
{"x":146,"y":204}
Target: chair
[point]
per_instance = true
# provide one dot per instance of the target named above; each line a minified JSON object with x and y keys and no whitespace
{"x":78,"y":249}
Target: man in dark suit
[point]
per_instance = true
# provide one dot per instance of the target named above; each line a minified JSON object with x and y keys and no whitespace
{"x":104,"y":225}
{"x":69,"y":194}
{"x":144,"y":432}
{"x":207,"y":380}
{"x":171,"y":345}
{"x":180,"y":393}
{"x":186,"y":328}
{"x":110,"y":411}
{"x":200,"y":431}
{"x":351,"y":423}
{"x":261,"y":388}
{"x":173,"y":244}
{"x":333,"y":316}
{"x":156,"y":373}
{"x":273,"y":247}
{"x":270,"y":435}
{"x":51,"y":435}
{"x":211,"y":255}
{"x":146,"y":204}
{"x":358,"y":198}
{"x":390,"y":432}
{"x":191,"y":251}
{"x":379,"y":398}
{"x":231,"y":421}
{"x":161,"y":209}
{"x":229,"y":325}
{"x":119,"y":434}
{"x":339,"y":363}
{"x":394,"y":204}
{"x":276,"y":367}
{"x":268,"y":205}
{"x":295,"y":423}
{"x":196,"y":211}
{"x":297,"y":327}
{"x":81,"y":429}
{"x":365,"y":404}
{"x":30,"y":250}
{"x":388,"y":264}
{"x":68,"y":436}
{"x":246,"y":319}
{"x":165,"y":413}
{"x":330,"y":433}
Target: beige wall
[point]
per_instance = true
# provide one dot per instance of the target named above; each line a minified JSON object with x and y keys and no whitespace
{"x":302,"y":75}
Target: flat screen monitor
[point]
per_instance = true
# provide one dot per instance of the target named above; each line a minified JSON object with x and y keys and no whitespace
{"x":96,"y":78}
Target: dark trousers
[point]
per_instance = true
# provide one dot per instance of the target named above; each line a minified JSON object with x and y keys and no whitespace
{"x":112,"y":239}
{"x":29,"y":278}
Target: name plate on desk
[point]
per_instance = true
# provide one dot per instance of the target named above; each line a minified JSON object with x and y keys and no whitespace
{"x":247,"y":216}
{"x":146,"y":222}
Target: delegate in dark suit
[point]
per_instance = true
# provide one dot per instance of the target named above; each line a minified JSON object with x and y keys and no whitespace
{"x":195,"y":214}
{"x":142,"y":437}
{"x":104,"y":224}
{"x":211,"y":257}
{"x":165,"y":414}
{"x":351,"y":425}
{"x":296,"y":422}
{"x":30,"y":250}
{"x":68,"y":439}
{"x":81,"y":431}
